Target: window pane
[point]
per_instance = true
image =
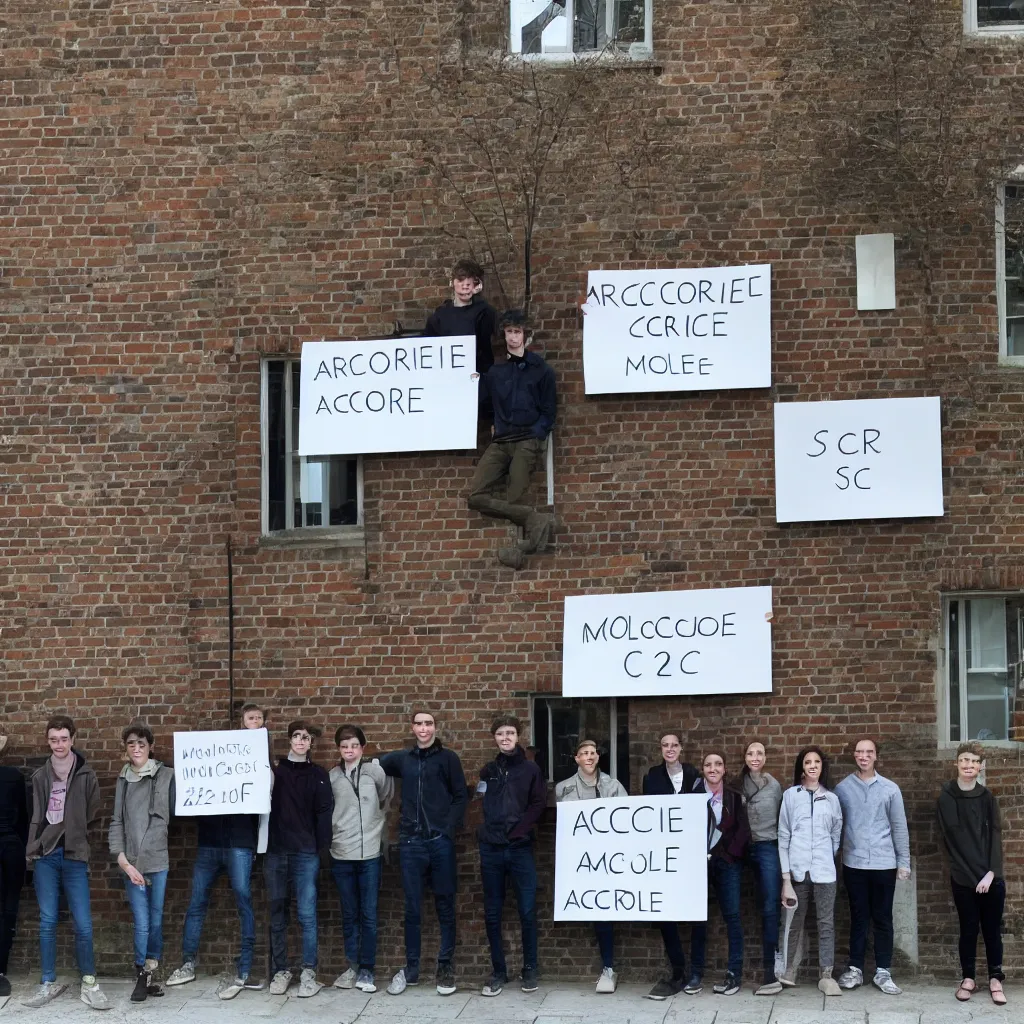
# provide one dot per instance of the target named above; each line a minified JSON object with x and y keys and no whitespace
{"x":573,"y":719}
{"x":590,"y":31}
{"x":539,"y":26}
{"x":999,"y":12}
{"x":629,"y":21}
{"x":276,"y":454}
{"x":986,"y":634}
{"x":953,"y":668}
{"x":1013,"y":222}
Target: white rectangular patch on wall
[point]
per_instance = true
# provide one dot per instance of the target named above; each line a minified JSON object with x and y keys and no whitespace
{"x":876,"y":272}
{"x":677,"y":330}
{"x":396,"y":395}
{"x":668,"y":643}
{"x":874,"y":458}
{"x":632,"y":858}
{"x":222,"y":772}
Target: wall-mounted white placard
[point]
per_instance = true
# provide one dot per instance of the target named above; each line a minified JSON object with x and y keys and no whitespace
{"x":223,"y":772}
{"x":874,"y":458}
{"x":876,"y":272}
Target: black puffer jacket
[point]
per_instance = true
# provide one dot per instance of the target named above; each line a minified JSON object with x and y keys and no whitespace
{"x":433,"y":790}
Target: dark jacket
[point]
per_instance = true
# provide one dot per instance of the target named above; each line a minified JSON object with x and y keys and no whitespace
{"x":971,"y":829}
{"x":433,"y":790}
{"x":478,"y":319}
{"x":735,"y":838}
{"x":657,"y":782}
{"x":300,"y":808}
{"x":514,"y":799}
{"x":81,"y":811}
{"x":13,"y":806}
{"x":138,"y":826}
{"x":228,"y":831}
{"x":522,"y":392}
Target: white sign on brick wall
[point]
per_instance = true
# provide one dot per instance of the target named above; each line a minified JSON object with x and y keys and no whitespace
{"x":222,"y":772}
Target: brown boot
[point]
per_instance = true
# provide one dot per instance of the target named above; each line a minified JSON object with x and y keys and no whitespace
{"x":538,"y":532}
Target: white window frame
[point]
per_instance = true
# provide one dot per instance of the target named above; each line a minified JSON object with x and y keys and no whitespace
{"x":636,"y":51}
{"x":972,"y":28}
{"x":1016,"y":178}
{"x":346,"y":528}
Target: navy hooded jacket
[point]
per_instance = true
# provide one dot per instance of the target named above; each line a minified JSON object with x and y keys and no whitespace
{"x":522,"y":392}
{"x":514,"y":799}
{"x":433,"y":790}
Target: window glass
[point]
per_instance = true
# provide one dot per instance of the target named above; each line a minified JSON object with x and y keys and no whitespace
{"x":1013,"y":247}
{"x":559,"y":724}
{"x":1000,"y":12}
{"x":578,"y":26}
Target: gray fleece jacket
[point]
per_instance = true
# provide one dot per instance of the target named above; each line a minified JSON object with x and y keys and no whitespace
{"x":764,"y":801}
{"x":576,"y":788}
{"x":361,"y":801}
{"x":142,"y":809}
{"x":875,"y":836}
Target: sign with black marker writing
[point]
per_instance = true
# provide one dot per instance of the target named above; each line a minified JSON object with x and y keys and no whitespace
{"x":677,"y":330}
{"x":869,"y":458}
{"x":399,"y":395}
{"x":668,"y":643}
{"x":224,"y":772}
{"x":632,"y":858}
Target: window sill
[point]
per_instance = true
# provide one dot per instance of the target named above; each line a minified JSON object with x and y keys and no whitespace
{"x":999,"y":34}
{"x":644,"y":59}
{"x":1011,"y":362}
{"x":316,"y":537}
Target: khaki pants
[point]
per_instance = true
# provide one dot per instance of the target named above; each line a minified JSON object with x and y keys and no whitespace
{"x":507,"y":464}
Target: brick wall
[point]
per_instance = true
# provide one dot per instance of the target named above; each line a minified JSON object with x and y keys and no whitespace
{"x":187,"y":188}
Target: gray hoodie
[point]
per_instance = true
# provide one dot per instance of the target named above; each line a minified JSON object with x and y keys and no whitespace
{"x":875,"y":836}
{"x":361,"y":800}
{"x":142,"y":809}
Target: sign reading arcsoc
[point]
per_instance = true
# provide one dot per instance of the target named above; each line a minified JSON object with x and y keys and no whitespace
{"x":677,"y":330}
{"x":874,"y":458}
{"x":224,"y":772}
{"x":399,"y":395}
{"x":668,"y":643}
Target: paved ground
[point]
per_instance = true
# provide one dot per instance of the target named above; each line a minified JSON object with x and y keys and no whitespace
{"x":921,"y":1003}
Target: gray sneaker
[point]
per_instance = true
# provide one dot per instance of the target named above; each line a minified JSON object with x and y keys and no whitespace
{"x":346,"y":980}
{"x":280,"y":982}
{"x":93,"y":996}
{"x":365,"y":980}
{"x":852,"y":977}
{"x":398,"y":984}
{"x":230,"y":987}
{"x":185,"y":973}
{"x":883,"y":980}
{"x":42,"y":995}
{"x":308,"y":985}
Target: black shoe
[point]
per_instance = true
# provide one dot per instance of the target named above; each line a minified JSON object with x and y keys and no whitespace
{"x":666,"y":988}
{"x":5,"y":986}
{"x":530,"y":983}
{"x":694,"y":985}
{"x":445,"y":980}
{"x":729,"y":985}
{"x":143,"y":980}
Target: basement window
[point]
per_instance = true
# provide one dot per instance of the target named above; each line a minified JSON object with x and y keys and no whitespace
{"x":993,"y":17}
{"x":561,"y":29}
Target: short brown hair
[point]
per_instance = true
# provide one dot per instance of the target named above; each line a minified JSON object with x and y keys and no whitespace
{"x":502,"y":721}
{"x":422,"y":711}
{"x":349,"y":732}
{"x":246,"y":708}
{"x":139,"y":729}
{"x":973,"y":747}
{"x":301,"y":724}
{"x":59,"y":722}
{"x":866,"y":739}
{"x":580,"y":744}
{"x":468,"y":268}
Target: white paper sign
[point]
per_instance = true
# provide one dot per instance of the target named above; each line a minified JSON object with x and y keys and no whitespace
{"x":875,"y":458}
{"x":224,"y":772}
{"x":399,"y":395}
{"x":633,"y":858}
{"x":677,"y":330}
{"x":668,"y":643}
{"x":876,"y":272}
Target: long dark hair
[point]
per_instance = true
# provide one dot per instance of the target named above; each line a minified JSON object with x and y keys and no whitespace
{"x":798,"y":768}
{"x":750,"y":743}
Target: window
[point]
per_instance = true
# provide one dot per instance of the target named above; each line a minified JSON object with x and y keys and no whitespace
{"x":993,"y":17}
{"x":560,"y":722}
{"x":1010,"y":270}
{"x":301,"y":491}
{"x":984,"y":639}
{"x":567,"y":27}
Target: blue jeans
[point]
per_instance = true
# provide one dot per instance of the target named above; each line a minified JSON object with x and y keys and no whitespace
{"x":497,"y":864}
{"x":236,"y":862}
{"x":358,"y":883}
{"x":51,"y":874}
{"x":147,"y":906}
{"x":764,"y":859}
{"x":726,"y":881}
{"x":298,"y":871}
{"x":420,"y":858}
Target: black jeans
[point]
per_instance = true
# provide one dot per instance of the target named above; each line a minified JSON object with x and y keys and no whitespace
{"x":12,"y":878}
{"x":982,"y":910}
{"x":871,"y":894}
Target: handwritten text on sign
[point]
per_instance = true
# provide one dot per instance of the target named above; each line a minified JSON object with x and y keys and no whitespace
{"x":222,"y":772}
{"x":866,"y":459}
{"x":633,"y":858}
{"x":406,"y":395}
{"x":677,"y":330}
{"x":669,"y":642}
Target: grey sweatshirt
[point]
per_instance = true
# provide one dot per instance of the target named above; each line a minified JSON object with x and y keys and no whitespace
{"x":875,"y":836}
{"x":142,"y":809}
{"x":360,"y":810}
{"x":576,"y":788}
{"x":764,"y":800}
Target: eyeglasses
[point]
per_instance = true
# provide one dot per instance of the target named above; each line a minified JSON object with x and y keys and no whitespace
{"x":302,"y":737}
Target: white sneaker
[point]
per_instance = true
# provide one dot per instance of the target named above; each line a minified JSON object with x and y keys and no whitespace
{"x":398,"y":983}
{"x":308,"y":985}
{"x":346,"y":980}
{"x":365,"y":981}
{"x":185,"y":973}
{"x":280,"y":982}
{"x":607,"y":982}
{"x":883,"y":980}
{"x":852,"y":977}
{"x":42,"y":995}
{"x":230,"y":987}
{"x":92,"y":995}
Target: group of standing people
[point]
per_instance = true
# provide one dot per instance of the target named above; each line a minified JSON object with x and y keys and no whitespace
{"x":788,"y":838}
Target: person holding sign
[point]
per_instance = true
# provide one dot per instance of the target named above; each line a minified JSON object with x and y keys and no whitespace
{"x":590,"y":783}
{"x":522,"y":390}
{"x":971,"y":831}
{"x":143,"y":804}
{"x":362,"y":792}
{"x":876,"y":851}
{"x":514,"y":796}
{"x":434,"y":802}
{"x":65,"y":805}
{"x":810,"y":826}
{"x":467,"y":312}
{"x":763,"y":794}
{"x":300,"y":827}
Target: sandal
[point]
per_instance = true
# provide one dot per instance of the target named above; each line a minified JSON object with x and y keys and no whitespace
{"x":966,"y":989}
{"x":995,"y":990}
